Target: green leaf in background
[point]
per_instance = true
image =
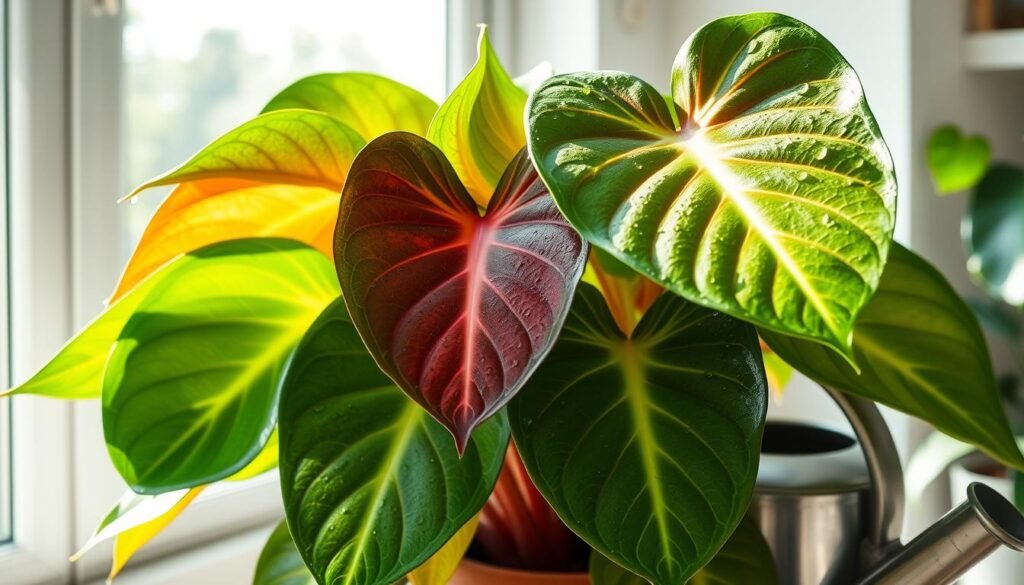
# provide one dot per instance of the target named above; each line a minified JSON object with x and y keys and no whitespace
{"x":372,"y":485}
{"x":993,"y":232}
{"x":369,"y":104}
{"x":745,"y":558}
{"x":293,"y":147}
{"x":479,"y":127}
{"x":775,"y":201}
{"x":646,"y":446}
{"x":921,"y":352}
{"x":280,"y":563}
{"x":956,"y":162}
{"x":190,"y":389}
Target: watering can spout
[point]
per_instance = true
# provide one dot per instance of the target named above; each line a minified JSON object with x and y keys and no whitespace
{"x":963,"y":537}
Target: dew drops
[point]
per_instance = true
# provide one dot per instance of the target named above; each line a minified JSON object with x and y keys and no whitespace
{"x":709,"y":374}
{"x":134,"y":200}
{"x":754,"y":46}
{"x":857,"y":163}
{"x":803,"y":88}
{"x":821,"y":153}
{"x":826,"y":220}
{"x":586,"y":90}
{"x":802,"y":176}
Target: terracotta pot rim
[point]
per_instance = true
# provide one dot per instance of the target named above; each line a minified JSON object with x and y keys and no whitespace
{"x":510,"y":572}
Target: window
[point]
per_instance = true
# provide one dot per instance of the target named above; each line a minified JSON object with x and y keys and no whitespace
{"x":194,"y":69}
{"x":104,"y":94}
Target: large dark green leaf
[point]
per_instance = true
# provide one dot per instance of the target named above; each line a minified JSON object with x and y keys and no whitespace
{"x":280,"y":563}
{"x":646,"y":446}
{"x":993,"y":233}
{"x":372,"y":485}
{"x":369,"y":104}
{"x":956,"y":162}
{"x":775,"y":200}
{"x":190,"y":388}
{"x":922,"y":352}
{"x":745,"y":559}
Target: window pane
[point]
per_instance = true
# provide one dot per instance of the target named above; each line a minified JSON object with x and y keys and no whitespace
{"x":194,"y":69}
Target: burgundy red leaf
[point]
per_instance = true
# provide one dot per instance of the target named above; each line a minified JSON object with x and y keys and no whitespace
{"x":457,"y":308}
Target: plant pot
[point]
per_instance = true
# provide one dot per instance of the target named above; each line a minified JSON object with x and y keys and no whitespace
{"x":472,"y":572}
{"x":1004,"y":562}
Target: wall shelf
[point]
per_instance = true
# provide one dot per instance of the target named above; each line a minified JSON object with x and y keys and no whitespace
{"x":994,"y":50}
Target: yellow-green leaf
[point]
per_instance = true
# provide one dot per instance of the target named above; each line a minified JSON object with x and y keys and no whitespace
{"x":440,"y":567}
{"x":292,"y":147}
{"x":369,"y":104}
{"x":480,"y":126}
{"x":130,"y":541}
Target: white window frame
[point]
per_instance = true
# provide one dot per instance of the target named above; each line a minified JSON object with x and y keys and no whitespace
{"x":65,"y":88}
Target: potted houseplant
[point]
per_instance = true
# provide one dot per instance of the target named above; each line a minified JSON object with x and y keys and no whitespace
{"x":587,"y":269}
{"x":991,"y":231}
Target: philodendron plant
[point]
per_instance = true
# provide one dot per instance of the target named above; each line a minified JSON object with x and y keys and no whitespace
{"x":757,"y":199}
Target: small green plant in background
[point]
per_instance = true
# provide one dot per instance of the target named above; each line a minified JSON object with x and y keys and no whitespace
{"x":992,"y":231}
{"x":418,"y":314}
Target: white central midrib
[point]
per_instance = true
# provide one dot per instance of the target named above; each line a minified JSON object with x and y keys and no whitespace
{"x":704,"y":152}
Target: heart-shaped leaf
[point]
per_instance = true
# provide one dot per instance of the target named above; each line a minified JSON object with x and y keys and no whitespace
{"x":745,"y":558}
{"x":191,"y":385}
{"x":372,"y":485}
{"x":775,"y":200}
{"x":457,"y":308}
{"x":280,"y":563}
{"x":993,"y":232}
{"x":369,"y":104}
{"x":647,"y":446}
{"x":921,"y":352}
{"x":480,"y":126}
{"x":957,"y":162}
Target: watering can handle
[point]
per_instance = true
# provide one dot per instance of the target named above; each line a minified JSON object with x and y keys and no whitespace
{"x":885,"y":517}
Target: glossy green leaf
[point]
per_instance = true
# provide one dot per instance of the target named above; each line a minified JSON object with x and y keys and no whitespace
{"x":369,"y":104}
{"x":993,"y":232}
{"x":744,"y":559}
{"x":280,"y":563}
{"x":292,"y":147}
{"x":372,"y":485}
{"x":922,"y":352}
{"x":479,"y":127}
{"x":774,"y":202}
{"x":647,"y":446}
{"x":956,"y":162}
{"x":191,"y":386}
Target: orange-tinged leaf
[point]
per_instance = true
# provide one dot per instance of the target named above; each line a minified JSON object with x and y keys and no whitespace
{"x":130,"y":541}
{"x":479,"y":127}
{"x":440,"y":567}
{"x":199,"y":213}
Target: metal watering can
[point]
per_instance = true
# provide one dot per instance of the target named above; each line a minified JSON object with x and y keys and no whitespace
{"x":832,"y":512}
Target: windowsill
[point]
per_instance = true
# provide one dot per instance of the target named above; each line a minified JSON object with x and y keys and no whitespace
{"x":230,"y":561}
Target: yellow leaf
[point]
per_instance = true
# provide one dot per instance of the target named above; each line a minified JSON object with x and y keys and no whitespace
{"x":480,"y":126}
{"x":203,"y":212}
{"x":130,"y":541}
{"x":439,"y":568}
{"x":264,"y":462}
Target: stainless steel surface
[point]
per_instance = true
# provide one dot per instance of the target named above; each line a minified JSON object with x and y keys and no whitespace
{"x":888,"y":500}
{"x":815,"y":539}
{"x":958,"y":541}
